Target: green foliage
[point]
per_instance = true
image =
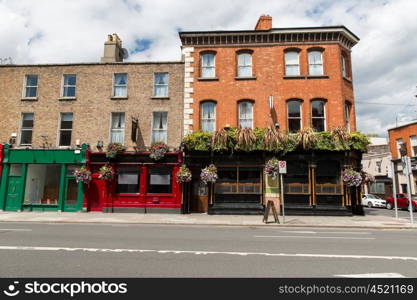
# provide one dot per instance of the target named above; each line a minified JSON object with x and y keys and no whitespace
{"x":272,"y":140}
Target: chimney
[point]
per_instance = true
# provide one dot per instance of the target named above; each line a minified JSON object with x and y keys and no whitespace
{"x":113,"y":49}
{"x":264,"y":23}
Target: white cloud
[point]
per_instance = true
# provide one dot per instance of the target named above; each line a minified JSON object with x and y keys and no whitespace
{"x":384,"y":61}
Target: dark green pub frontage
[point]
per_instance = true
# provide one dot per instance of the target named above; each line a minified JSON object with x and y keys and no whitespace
{"x":41,"y":179}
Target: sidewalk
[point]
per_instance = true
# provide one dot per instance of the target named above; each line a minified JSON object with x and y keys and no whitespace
{"x":381,"y":222}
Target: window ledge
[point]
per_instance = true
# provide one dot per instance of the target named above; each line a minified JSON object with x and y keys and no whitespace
{"x":159,"y":98}
{"x":317,"y":77}
{"x":294,"y":77}
{"x":208,"y":79}
{"x":347,"y":79}
{"x":119,"y":98}
{"x":245,"y":78}
{"x":67,"y":98}
{"x":29,"y":99}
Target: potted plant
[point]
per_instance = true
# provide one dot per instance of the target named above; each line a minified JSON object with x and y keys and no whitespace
{"x":209,"y":174}
{"x":272,"y":168}
{"x":184,"y":174}
{"x":352,"y":178}
{"x":113,"y":149}
{"x":82,"y":175}
{"x":158,"y":150}
{"x":106,"y":172}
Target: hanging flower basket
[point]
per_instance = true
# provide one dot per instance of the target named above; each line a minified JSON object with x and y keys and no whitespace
{"x":209,"y":174}
{"x":272,"y":168}
{"x":158,"y":150}
{"x":82,"y":175}
{"x":113,"y":149}
{"x":184,"y":174}
{"x":106,"y":173}
{"x":367,"y":178}
{"x":352,"y":178}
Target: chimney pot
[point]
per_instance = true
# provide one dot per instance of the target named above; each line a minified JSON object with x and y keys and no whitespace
{"x":112,"y":49}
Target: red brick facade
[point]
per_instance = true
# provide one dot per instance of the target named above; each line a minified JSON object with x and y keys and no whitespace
{"x":405,"y":133}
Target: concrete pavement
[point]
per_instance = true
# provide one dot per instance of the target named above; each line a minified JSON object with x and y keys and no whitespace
{"x":368,"y":221}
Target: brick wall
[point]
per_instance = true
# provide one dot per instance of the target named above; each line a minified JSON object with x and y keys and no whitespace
{"x":93,"y":105}
{"x":404,"y":133}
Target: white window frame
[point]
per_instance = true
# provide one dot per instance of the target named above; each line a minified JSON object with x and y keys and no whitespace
{"x":202,"y":119}
{"x":208,"y":67}
{"x":63,"y":86}
{"x":25,"y":86}
{"x":120,"y":85}
{"x":348,"y":108}
{"x":245,"y":119}
{"x":287,"y":64}
{"x":344,"y":73}
{"x":399,"y":142}
{"x":315,"y":64}
{"x":117,"y":129}
{"x":155,"y":85}
{"x":298,"y":118}
{"x":413,"y":143}
{"x":159,"y":130}
{"x":26,"y":129}
{"x":60,"y":129}
{"x":248,"y":66}
{"x":324,"y":113}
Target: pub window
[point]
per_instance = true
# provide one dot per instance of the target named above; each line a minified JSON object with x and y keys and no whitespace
{"x":208,"y":68}
{"x":159,"y":126}
{"x":117,"y":131}
{"x":318,"y":115}
{"x":244,"y":68}
{"x":31,"y":86}
{"x":328,"y":177}
{"x":69,"y":85}
{"x":26,"y":129}
{"x":238,"y":180}
{"x":294,"y":116}
{"x":128,"y":178}
{"x":159,"y":180}
{"x":208,"y":116}
{"x":246,"y":114}
{"x":160,"y":85}
{"x":42,"y":184}
{"x":120,"y":85}
{"x":292,"y":63}
{"x":315,"y":63}
{"x":65,"y":129}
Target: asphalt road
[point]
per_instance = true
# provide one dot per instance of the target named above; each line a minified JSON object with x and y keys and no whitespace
{"x":402,"y":213}
{"x":95,"y":250}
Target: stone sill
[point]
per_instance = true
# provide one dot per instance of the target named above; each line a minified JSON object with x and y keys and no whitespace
{"x":119,"y":98}
{"x":29,"y":99}
{"x":245,"y":78}
{"x":208,"y":79}
{"x":159,"y":98}
{"x":67,"y":98}
{"x":317,"y":77}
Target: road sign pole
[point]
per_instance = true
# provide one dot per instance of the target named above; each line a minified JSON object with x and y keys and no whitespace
{"x":410,"y":200}
{"x":394,"y":188}
{"x":282,"y":198}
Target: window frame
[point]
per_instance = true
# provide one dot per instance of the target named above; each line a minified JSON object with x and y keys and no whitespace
{"x":205,"y":67}
{"x":398,"y":145}
{"x":413,"y":143}
{"x":239,"y":111}
{"x":347,"y":113}
{"x":320,"y":118}
{"x":155,"y":85}
{"x":148,"y":179}
{"x":60,"y":130}
{"x":63,"y":86}
{"x":300,"y":102}
{"x":139,"y":174}
{"x":159,"y":130}
{"x":297,"y":51}
{"x":123,"y":129}
{"x":26,"y":86}
{"x":26,"y":128}
{"x":215,"y":114}
{"x":315,"y":64}
{"x":238,"y":54}
{"x":114,"y":86}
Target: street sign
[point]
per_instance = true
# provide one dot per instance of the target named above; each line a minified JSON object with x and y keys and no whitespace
{"x":282,"y":167}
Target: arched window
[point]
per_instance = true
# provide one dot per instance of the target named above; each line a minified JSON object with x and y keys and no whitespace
{"x":315,"y":62}
{"x":246,"y":114}
{"x":208,"y":116}
{"x":348,"y":108}
{"x":292,"y":63}
{"x":318,"y":115}
{"x":208,"y":67}
{"x":294,"y":115}
{"x":244,"y":65}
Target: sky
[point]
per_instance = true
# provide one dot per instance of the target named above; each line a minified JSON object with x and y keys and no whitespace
{"x":384,"y":61}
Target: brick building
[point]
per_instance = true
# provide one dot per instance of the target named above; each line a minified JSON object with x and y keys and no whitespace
{"x":59,"y":107}
{"x":286,"y":78}
{"x":404,"y":135}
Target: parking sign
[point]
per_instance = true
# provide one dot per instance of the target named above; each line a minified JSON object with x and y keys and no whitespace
{"x":282,"y":167}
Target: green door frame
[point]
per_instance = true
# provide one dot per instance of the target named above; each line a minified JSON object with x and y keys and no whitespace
{"x":64,"y":189}
{"x":5,"y":185}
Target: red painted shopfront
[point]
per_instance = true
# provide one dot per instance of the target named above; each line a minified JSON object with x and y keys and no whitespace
{"x":139,"y":185}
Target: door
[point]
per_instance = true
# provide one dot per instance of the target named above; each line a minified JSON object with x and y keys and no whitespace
{"x":71,"y":202}
{"x":14,"y":193}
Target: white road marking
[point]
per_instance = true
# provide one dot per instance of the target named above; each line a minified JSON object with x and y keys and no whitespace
{"x":373,"y":275}
{"x":15,"y":229}
{"x":314,"y":237}
{"x":328,"y":232}
{"x":203,"y":252}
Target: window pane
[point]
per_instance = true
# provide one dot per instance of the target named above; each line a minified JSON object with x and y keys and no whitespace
{"x":69,"y":91}
{"x":208,"y":60}
{"x":318,"y":124}
{"x":246,"y":114}
{"x":27,"y":121}
{"x":128,"y":179}
{"x":317,"y":109}
{"x":118,"y":120}
{"x":208,"y":116}
{"x":159,"y":127}
{"x":294,"y":109}
{"x":294,"y":125}
{"x":120,"y":79}
{"x":66,"y":121}
{"x":245,"y":65}
{"x":42,"y":184}
{"x":65,"y":138}
{"x":207,"y":72}
{"x":227,"y":174}
{"x":316,"y":70}
{"x":31,"y":80}
{"x":161,"y":91}
{"x":31,"y":92}
{"x":249,"y":175}
{"x":120,"y":91}
{"x":161,"y":78}
{"x":26,"y":137}
{"x":159,"y":180}
{"x":291,"y":58}
{"x":70,"y":80}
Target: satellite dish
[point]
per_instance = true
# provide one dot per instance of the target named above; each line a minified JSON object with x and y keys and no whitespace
{"x":125,"y":53}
